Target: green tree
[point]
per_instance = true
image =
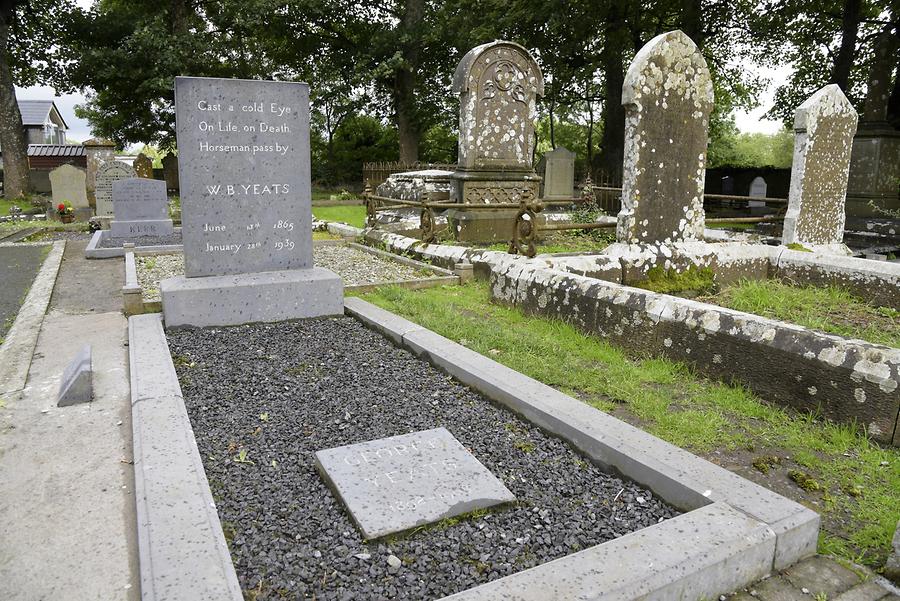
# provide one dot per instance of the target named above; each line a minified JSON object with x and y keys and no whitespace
{"x":30,"y":54}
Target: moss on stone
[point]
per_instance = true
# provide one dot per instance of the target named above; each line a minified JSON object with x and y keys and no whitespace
{"x":798,"y":246}
{"x":694,"y":279}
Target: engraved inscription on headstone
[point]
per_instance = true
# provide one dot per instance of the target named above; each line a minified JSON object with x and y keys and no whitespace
{"x":244,"y":175}
{"x":401,"y":482}
{"x":108,"y":173}
{"x":141,"y":209}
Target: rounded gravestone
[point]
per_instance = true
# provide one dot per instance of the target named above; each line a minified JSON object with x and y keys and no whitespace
{"x":498,"y":84}
{"x":668,"y":96}
{"x":107,"y":173}
{"x":143,"y":166}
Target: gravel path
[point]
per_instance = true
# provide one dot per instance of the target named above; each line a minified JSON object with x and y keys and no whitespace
{"x":175,"y":238}
{"x":353,"y":265}
{"x":273,"y":394}
{"x":19,"y":265}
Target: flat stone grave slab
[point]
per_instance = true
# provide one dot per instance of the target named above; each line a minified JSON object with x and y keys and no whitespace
{"x":397,"y":483}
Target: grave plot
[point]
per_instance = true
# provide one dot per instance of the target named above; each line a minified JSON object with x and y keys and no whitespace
{"x":361,"y":268}
{"x":19,"y":265}
{"x":267,"y":401}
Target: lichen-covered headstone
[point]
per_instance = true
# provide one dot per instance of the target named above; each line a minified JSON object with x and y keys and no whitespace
{"x":498,"y":84}
{"x":143,"y":166}
{"x":558,"y":173}
{"x":668,"y":96}
{"x":107,"y":173}
{"x":824,"y":126}
{"x":68,"y":184}
{"x":76,"y":385}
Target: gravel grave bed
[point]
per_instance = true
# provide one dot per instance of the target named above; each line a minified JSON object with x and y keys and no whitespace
{"x":138,"y":241}
{"x":263,"y":398}
{"x":60,"y":235}
{"x":352,"y":265}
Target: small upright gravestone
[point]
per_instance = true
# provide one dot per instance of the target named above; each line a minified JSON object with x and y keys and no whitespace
{"x":824,"y":126}
{"x":141,"y":209}
{"x":246,"y":206}
{"x":67,"y":184}
{"x":498,"y":84}
{"x":558,"y":174}
{"x":668,"y":96}
{"x":170,"y":171}
{"x":758,"y":189}
{"x":398,"y":483}
{"x":143,"y":166}
{"x":107,"y":173}
{"x":77,"y":381}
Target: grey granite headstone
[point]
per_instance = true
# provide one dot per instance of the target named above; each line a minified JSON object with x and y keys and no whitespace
{"x":246,"y":209}
{"x":668,"y":96}
{"x":107,"y":173}
{"x":558,"y":174}
{"x":824,"y":126}
{"x":401,"y":482}
{"x":68,"y":184}
{"x":77,"y":382}
{"x":141,"y":208}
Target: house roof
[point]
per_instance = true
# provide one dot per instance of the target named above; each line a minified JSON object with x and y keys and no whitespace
{"x":56,"y":150}
{"x":34,"y":112}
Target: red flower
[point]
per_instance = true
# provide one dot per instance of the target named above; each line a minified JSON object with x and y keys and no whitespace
{"x":61,"y":207}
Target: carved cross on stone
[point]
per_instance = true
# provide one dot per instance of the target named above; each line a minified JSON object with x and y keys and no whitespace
{"x":668,"y":96}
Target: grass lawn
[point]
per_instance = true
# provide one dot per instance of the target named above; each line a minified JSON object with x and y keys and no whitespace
{"x":559,"y":242}
{"x":852,"y":482}
{"x":828,"y":309}
{"x":354,"y":215}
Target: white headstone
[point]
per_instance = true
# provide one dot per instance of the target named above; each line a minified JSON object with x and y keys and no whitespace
{"x":107,"y":173}
{"x":68,"y":184}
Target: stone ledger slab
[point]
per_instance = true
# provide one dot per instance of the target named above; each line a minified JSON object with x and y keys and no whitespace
{"x":397,"y":483}
{"x":77,"y":381}
{"x":267,"y":296}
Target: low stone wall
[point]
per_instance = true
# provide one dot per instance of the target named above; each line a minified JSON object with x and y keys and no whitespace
{"x":846,"y":380}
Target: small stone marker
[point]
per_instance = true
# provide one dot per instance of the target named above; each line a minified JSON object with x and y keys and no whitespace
{"x":77,"y":382}
{"x":558,"y":174}
{"x":108,"y":173}
{"x":824,"y":126}
{"x":141,"y":209}
{"x":170,"y":171}
{"x":401,"y":482}
{"x":143,"y":166}
{"x":246,"y":207}
{"x":668,"y":96}
{"x":68,"y":184}
{"x":758,"y":187}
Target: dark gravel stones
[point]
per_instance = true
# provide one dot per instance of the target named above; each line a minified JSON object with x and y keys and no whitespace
{"x":263,"y":398}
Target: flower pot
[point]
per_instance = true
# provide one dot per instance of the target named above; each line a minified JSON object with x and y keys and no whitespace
{"x":67,"y":218}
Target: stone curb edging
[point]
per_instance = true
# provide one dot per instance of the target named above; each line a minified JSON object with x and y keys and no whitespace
{"x":21,"y":339}
{"x":679,"y":477}
{"x":93,"y":249}
{"x":785,"y":363}
{"x":183,"y":555}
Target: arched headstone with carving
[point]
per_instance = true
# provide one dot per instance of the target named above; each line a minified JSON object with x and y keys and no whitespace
{"x":108,"y":173}
{"x":498,"y":85}
{"x":668,"y":96}
{"x":824,"y":126}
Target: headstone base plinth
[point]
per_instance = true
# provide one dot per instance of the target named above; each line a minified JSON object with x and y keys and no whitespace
{"x":135,"y":229}
{"x":487,"y":188}
{"x":487,"y":226}
{"x":266,"y":296}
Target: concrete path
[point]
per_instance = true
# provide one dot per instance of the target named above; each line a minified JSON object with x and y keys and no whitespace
{"x":67,"y":522}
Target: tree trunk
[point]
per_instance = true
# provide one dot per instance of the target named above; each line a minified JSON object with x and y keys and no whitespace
{"x":408,"y":126}
{"x":843,"y":62}
{"x":590,"y":132}
{"x":879,"y":85}
{"x":12,"y":134}
{"x":550,"y":107}
{"x":692,"y":21}
{"x":612,"y":142}
{"x":893,"y":112}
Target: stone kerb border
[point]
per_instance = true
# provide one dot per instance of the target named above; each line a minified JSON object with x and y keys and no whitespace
{"x":734,"y":533}
{"x":719,"y":546}
{"x":182,"y":551}
{"x":93,"y":250}
{"x":19,"y":342}
{"x":848,"y":380}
